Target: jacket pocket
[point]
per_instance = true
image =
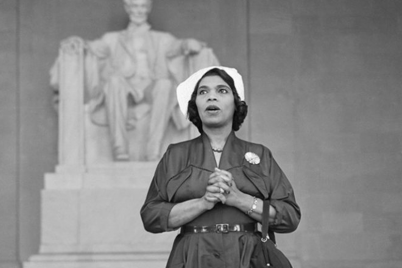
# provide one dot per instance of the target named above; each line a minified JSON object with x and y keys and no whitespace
{"x":260,"y":182}
{"x":176,"y":181}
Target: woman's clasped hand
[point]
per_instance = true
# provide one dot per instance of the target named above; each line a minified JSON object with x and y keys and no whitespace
{"x":221,"y":188}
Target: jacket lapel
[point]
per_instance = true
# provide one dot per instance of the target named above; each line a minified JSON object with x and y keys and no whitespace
{"x":202,"y":155}
{"x":232,"y":155}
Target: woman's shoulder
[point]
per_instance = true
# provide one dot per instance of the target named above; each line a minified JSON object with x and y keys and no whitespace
{"x":183,"y":145}
{"x":255,"y":147}
{"x":180,"y":152}
{"x":177,"y":155}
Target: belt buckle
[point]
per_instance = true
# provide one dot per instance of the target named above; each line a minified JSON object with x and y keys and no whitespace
{"x":222,"y":228}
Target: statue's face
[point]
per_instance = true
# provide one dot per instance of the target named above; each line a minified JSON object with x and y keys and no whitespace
{"x":138,"y":10}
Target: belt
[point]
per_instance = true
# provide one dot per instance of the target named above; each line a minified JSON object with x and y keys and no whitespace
{"x":223,"y":228}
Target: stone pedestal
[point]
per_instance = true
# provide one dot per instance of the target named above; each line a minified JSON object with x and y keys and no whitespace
{"x":92,"y":219}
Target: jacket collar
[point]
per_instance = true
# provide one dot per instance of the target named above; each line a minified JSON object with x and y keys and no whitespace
{"x":203,"y":156}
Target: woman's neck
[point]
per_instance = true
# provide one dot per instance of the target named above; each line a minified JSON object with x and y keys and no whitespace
{"x":217,"y":137}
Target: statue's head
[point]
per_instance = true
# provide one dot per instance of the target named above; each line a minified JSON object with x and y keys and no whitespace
{"x":138,"y":10}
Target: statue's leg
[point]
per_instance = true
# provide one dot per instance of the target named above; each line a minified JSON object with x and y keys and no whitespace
{"x":160,"y":117}
{"x":116,"y":93}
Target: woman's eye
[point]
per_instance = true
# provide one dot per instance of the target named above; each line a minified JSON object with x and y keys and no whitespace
{"x":223,"y":90}
{"x":202,"y":92}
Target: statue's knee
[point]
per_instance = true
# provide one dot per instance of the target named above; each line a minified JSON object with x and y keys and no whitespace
{"x":162,"y":89}
{"x":115,"y":80}
{"x":115,"y":85}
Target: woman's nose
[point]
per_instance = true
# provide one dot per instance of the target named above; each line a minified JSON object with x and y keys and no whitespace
{"x":211,"y":96}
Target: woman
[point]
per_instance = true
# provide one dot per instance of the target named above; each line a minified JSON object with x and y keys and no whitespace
{"x":213,"y":187}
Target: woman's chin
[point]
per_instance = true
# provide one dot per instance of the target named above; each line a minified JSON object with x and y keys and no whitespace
{"x":215,"y":125}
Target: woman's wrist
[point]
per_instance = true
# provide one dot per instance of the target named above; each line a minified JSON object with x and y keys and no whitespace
{"x":253,"y":206}
{"x":244,"y":202}
{"x":205,"y":204}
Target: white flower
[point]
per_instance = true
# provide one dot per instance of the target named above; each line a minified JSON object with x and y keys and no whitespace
{"x":252,"y":158}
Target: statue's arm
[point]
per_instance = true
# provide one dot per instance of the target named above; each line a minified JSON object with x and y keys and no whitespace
{"x":91,"y":51}
{"x":192,"y":46}
{"x":180,"y":47}
{"x":71,"y":51}
{"x":99,"y":47}
{"x":72,"y":44}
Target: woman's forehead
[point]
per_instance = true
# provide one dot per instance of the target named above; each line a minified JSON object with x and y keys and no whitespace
{"x":213,"y":80}
{"x":137,"y":1}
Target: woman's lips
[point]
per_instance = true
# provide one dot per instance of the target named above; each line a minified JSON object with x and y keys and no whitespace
{"x":212,"y":108}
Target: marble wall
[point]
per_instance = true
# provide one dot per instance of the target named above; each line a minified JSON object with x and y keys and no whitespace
{"x":9,"y":132}
{"x":324,"y":93}
{"x":329,"y":73}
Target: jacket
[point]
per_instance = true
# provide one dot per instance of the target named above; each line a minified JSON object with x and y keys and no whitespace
{"x":195,"y":158}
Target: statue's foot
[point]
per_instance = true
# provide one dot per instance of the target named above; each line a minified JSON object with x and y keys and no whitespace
{"x":137,"y":113}
{"x":140,"y":110}
{"x":122,"y":157}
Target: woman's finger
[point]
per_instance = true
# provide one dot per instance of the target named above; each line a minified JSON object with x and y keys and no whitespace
{"x":224,"y":175}
{"x":212,"y":199}
{"x":218,"y":189}
{"x":214,"y":180}
{"x":226,"y":188}
{"x":215,"y":197}
{"x":216,"y":176}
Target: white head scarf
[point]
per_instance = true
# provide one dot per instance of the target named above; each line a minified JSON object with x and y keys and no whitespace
{"x":186,"y":88}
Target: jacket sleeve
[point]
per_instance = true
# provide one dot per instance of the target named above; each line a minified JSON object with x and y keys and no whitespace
{"x":282,"y":198}
{"x":156,"y":209}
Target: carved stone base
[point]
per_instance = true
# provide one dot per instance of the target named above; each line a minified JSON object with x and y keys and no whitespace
{"x":92,"y":219}
{"x":97,"y":261}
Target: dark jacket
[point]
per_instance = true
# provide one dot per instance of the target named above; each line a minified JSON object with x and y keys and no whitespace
{"x":195,"y":158}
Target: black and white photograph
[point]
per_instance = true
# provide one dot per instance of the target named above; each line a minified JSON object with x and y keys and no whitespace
{"x":200,"y":133}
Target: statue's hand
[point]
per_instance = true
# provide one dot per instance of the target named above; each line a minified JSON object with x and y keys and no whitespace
{"x":193,"y":46}
{"x":73,"y":43}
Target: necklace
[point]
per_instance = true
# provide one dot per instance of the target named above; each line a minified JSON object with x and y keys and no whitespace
{"x":217,"y":150}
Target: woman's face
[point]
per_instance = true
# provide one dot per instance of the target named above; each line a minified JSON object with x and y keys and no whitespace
{"x":215,"y":102}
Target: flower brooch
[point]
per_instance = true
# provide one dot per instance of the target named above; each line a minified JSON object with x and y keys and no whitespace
{"x":252,"y":158}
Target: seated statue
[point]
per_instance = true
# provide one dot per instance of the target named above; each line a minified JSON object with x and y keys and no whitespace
{"x":133,"y":73}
